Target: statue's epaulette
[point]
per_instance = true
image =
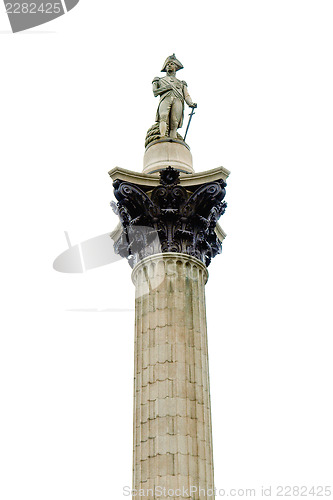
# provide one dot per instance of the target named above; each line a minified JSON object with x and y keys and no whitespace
{"x":184,"y":83}
{"x":156,"y":79}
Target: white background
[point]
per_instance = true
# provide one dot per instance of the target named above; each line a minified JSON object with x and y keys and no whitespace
{"x":76,"y":101}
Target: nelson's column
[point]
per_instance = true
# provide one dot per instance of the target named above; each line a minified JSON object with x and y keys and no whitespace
{"x":168,"y":231}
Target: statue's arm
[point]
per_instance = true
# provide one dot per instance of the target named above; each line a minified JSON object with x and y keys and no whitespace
{"x":188,"y":98}
{"x":157,"y":89}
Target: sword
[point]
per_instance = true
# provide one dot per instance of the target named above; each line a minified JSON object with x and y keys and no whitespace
{"x":189,"y":121}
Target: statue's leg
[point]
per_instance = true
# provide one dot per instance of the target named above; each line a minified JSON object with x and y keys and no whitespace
{"x":163,"y":128}
{"x":164,"y":115}
{"x":175,"y":117}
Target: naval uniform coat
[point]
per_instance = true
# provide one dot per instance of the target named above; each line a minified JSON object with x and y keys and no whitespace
{"x":178,"y":91}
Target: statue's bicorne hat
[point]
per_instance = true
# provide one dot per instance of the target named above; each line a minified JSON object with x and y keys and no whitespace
{"x":173,"y":59}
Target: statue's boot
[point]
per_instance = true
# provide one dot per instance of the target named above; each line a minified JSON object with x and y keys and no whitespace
{"x":173,"y":133}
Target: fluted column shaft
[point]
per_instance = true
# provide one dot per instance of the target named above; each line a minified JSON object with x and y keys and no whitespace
{"x":172,"y":416}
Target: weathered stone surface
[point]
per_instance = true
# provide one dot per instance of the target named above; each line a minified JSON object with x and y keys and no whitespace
{"x":172,"y":421}
{"x":167,"y":154}
{"x":152,"y":180}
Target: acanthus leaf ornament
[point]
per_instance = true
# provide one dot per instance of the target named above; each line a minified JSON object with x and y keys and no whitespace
{"x":184,"y":221}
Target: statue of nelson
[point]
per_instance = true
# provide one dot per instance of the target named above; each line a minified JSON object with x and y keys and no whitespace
{"x":173,"y":93}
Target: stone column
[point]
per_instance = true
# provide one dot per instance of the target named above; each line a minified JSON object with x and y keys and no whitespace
{"x":169,"y":234}
{"x":172,"y":416}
